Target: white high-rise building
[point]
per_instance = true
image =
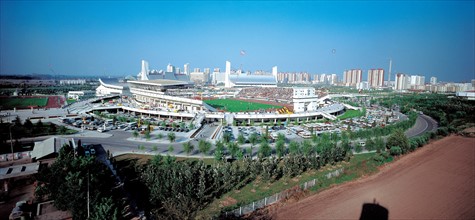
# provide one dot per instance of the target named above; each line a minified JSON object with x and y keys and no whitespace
{"x":227,"y":82}
{"x":417,"y":80}
{"x":274,"y":72}
{"x":170,"y":68}
{"x":402,"y":82}
{"x":144,"y":72}
{"x":334,"y":79}
{"x":186,"y":68}
{"x":433,"y":80}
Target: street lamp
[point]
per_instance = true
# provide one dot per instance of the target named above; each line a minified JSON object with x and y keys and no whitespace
{"x":11,"y":140}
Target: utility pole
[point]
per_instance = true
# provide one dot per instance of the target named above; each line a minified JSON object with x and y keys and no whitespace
{"x":11,"y":141}
{"x":88,"y":210}
{"x":389,"y":76}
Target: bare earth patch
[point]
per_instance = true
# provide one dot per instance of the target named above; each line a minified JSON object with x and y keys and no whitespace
{"x":435,"y":182}
{"x":227,"y":202}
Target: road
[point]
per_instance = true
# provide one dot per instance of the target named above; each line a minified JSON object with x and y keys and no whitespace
{"x":423,"y":124}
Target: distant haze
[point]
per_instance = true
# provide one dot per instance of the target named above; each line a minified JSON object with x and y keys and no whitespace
{"x":430,"y":38}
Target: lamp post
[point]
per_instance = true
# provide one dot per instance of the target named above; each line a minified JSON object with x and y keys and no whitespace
{"x":11,"y":140}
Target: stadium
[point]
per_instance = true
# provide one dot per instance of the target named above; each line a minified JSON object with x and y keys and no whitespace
{"x":174,"y":96}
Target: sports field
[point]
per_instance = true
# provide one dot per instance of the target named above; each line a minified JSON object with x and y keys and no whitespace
{"x":231,"y":105}
{"x":22,"y":102}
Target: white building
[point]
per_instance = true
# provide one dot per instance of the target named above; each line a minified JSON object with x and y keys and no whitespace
{"x":402,"y":81}
{"x":305,"y":99}
{"x":433,"y":80}
{"x":417,"y":80}
{"x":170,"y":68}
{"x":186,"y":69}
{"x":77,"y":95}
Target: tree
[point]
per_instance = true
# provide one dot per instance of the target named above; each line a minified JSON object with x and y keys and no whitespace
{"x":105,"y":209}
{"x":398,"y":138}
{"x":253,"y":139}
{"x":241,"y":139}
{"x":159,"y":136}
{"x":264,"y":150}
{"x":135,"y":134}
{"x":188,"y":147}
{"x":62,"y":129}
{"x":280,"y":148}
{"x":294,"y":148}
{"x":233,"y":149}
{"x":204,"y":146}
{"x":66,"y":182}
{"x":170,"y":148}
{"x":171,"y":137}
{"x":226,"y":137}
{"x":52,"y":128}
{"x":307,"y":148}
{"x":147,"y":135}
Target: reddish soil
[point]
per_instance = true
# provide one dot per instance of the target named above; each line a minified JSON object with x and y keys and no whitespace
{"x":435,"y":182}
{"x":55,"y":102}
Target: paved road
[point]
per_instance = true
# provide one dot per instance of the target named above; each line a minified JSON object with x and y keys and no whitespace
{"x":423,"y":124}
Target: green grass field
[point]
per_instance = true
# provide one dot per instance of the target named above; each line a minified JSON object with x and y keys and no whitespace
{"x":231,"y":105}
{"x":350,"y":114}
{"x":19,"y":102}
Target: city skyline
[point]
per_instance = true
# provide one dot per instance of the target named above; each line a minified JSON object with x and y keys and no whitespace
{"x":96,"y":38}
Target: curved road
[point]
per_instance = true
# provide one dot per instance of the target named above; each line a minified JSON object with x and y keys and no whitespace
{"x":423,"y":124}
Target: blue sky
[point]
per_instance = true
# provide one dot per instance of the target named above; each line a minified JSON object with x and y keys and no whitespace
{"x":431,"y":38}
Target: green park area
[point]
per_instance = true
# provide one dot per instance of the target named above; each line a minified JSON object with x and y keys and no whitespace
{"x":231,"y":105}
{"x":351,"y":114}
{"x":22,"y":102}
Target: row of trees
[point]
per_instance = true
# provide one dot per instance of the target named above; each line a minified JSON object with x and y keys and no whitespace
{"x":20,"y":130}
{"x":180,"y":189}
{"x":71,"y":179}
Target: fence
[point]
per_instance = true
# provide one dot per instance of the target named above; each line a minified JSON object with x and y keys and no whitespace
{"x":278,"y":196}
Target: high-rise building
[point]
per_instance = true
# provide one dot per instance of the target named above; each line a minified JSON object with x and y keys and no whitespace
{"x":186,"y":68}
{"x":334,"y":79}
{"x":417,"y":80}
{"x":170,"y":68}
{"x":352,"y":77}
{"x":433,"y":80}
{"x":402,"y":81}
{"x":143,"y":75}
{"x":375,"y":78}
{"x":227,"y":82}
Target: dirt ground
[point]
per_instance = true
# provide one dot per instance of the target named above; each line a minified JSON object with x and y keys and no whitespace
{"x":435,"y":182}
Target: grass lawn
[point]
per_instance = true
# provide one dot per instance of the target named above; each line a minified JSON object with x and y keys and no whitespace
{"x":71,"y":101}
{"x":350,"y":114}
{"x":231,"y":105}
{"x":19,"y":102}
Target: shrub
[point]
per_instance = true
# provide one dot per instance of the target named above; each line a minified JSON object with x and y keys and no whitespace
{"x":395,"y":151}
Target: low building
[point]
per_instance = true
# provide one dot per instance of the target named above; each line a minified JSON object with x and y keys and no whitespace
{"x":77,"y":95}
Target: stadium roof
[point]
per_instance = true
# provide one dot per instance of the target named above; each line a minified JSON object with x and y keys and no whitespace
{"x":160,"y":82}
{"x":169,"y":76}
{"x":113,"y":82}
{"x":252,"y":79}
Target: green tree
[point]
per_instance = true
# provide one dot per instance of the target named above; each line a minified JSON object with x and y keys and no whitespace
{"x":253,"y":139}
{"x":105,"y":209}
{"x":188,"y":147}
{"x":204,"y":147}
{"x":226,"y":137}
{"x":398,"y":138}
{"x":233,"y":149}
{"x":307,"y":148}
{"x":171,"y":137}
{"x":280,"y":148}
{"x":170,"y":148}
{"x":62,"y":129}
{"x":241,"y":139}
{"x":294,"y":148}
{"x":264,"y":150}
{"x":159,"y":136}
{"x":135,"y":134}
{"x":147,"y":135}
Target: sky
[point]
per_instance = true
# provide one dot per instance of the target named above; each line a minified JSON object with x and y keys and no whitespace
{"x":105,"y":38}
